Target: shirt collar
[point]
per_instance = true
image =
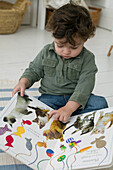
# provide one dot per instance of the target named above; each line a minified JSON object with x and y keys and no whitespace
{"x":52,"y":47}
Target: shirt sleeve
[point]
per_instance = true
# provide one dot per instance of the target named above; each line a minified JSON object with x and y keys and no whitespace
{"x":86,"y":81}
{"x":35,"y":70}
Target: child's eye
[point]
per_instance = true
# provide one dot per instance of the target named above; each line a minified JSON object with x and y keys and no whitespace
{"x":74,"y":48}
{"x":59,"y":46}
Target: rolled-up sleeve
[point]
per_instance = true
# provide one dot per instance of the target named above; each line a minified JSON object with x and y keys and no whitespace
{"x":86,"y":81}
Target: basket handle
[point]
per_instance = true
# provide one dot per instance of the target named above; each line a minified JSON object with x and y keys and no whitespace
{"x":21,"y":5}
{"x":25,"y":6}
{"x":94,"y":8}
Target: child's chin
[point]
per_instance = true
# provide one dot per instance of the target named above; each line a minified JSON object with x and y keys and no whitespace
{"x":66,"y":57}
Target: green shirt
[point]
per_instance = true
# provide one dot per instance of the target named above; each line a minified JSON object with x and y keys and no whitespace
{"x":75,"y":76}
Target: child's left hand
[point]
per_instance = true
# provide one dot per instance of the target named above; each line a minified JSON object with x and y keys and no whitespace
{"x":65,"y":112}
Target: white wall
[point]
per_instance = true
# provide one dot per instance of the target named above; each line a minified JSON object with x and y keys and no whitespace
{"x":106,"y":16}
{"x":100,"y":2}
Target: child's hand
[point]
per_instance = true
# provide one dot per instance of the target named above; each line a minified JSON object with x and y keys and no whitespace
{"x":61,"y":114}
{"x":65,"y":112}
{"x":21,"y":86}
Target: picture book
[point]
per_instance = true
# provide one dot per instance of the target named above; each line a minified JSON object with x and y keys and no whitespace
{"x":83,"y":142}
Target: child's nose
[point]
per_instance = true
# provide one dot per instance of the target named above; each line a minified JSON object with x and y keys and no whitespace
{"x":66,"y":51}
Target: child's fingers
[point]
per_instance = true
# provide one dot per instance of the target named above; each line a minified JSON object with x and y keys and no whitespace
{"x":52,"y":113}
{"x":56,"y":117}
{"x":65,"y":119}
{"x":14,"y":91}
{"x":22,"y":92}
{"x":61,"y":118}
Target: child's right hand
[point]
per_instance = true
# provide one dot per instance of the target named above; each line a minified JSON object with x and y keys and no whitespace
{"x":21,"y":86}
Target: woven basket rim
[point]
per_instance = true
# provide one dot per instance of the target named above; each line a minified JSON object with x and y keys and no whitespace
{"x":5,"y":2}
{"x":13,"y":7}
{"x":95,"y":9}
{"x":11,"y":18}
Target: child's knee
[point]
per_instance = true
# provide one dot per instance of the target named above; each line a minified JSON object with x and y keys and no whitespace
{"x":103,"y":102}
{"x":97,"y":102}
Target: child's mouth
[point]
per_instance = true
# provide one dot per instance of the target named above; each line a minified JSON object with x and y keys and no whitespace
{"x":66,"y":56}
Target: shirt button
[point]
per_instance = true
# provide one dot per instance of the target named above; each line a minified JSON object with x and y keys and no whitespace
{"x":66,"y":61}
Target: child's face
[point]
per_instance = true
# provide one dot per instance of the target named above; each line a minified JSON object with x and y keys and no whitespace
{"x":67,"y":50}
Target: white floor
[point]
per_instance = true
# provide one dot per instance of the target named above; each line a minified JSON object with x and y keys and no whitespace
{"x":17,"y":50}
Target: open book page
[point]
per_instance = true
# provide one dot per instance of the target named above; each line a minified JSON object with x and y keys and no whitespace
{"x":21,"y":130}
{"x":27,"y":133}
{"x":88,"y":142}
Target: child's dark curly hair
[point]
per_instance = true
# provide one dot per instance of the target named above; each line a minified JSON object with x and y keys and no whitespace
{"x":69,"y":21}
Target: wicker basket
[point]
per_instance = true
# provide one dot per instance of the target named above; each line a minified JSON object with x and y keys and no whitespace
{"x":95,"y":13}
{"x":11,"y":15}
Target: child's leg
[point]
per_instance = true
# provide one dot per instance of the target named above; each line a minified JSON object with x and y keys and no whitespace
{"x":94,"y":103}
{"x":57,"y":101}
{"x":54,"y":101}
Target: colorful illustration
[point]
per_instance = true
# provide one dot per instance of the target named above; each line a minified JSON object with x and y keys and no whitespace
{"x":4,"y":130}
{"x":85,"y":125}
{"x":74,"y":145}
{"x":55,"y":131}
{"x":20,"y":131}
{"x":9,"y":140}
{"x":49,"y":152}
{"x":62,"y":147}
{"x":31,"y":163}
{"x":102,"y":122}
{"x":42,"y":144}
{"x":19,"y":110}
{"x":27,"y":133}
{"x":28,"y":146}
{"x":61,"y":159}
{"x":27,"y":122}
{"x":101,"y":144}
{"x":42,"y":116}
